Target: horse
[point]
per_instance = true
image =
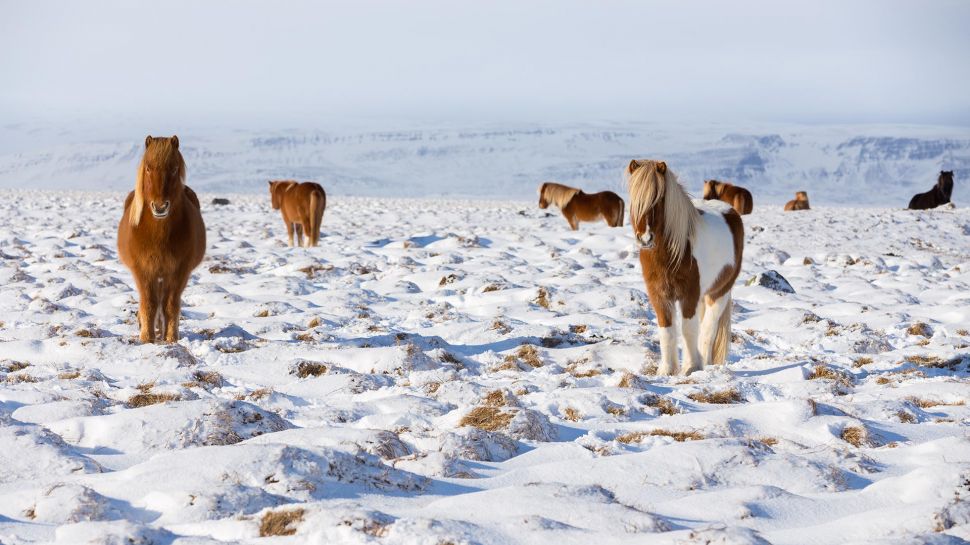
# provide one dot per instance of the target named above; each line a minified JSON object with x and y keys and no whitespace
{"x":577,"y":206}
{"x":161,"y":237}
{"x":800,"y":202}
{"x":690,"y":255}
{"x":736,"y":196}
{"x":302,"y":206}
{"x":940,"y":194}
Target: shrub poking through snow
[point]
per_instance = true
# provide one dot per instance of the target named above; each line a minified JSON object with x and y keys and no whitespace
{"x":306,"y":369}
{"x":629,"y":380}
{"x":542,"y":298}
{"x":856,"y":436}
{"x":864,"y":360}
{"x":280,"y":523}
{"x":571,"y":414}
{"x":721,"y":397}
{"x":679,"y":436}
{"x":662,"y":404}
{"x":147,"y":397}
{"x":487,"y":418}
{"x":920,"y":329}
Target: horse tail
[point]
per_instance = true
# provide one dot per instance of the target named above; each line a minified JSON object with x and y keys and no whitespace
{"x":722,"y":337}
{"x":620,"y":208}
{"x":317,"y":203}
{"x":748,"y":202}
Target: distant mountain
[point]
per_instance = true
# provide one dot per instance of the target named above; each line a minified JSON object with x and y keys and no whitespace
{"x":837,"y":165}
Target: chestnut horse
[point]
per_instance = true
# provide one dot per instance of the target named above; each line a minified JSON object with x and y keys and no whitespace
{"x":577,"y":206}
{"x":691,"y":254}
{"x":737,"y":196}
{"x":162,"y":242}
{"x":940,"y":194}
{"x":800,"y":202}
{"x":302,"y":206}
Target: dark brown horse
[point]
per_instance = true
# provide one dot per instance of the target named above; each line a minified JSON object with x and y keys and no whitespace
{"x":940,"y":194}
{"x":738,"y":197}
{"x":302,"y":206}
{"x":161,"y":237}
{"x":800,"y":202}
{"x":577,"y":206}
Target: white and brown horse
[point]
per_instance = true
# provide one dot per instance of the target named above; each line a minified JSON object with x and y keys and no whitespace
{"x":690,"y":253}
{"x":578,"y":206}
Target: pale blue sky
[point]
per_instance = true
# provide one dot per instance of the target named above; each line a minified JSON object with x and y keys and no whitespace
{"x":244,"y":62}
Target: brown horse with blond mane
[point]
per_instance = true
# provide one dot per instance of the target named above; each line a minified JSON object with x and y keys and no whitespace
{"x":161,"y":237}
{"x":691,"y":254}
{"x":302,"y":206}
{"x":738,"y":197}
{"x":577,"y":206}
{"x":800,"y":202}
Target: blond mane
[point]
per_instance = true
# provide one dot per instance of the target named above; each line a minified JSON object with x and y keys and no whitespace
{"x":157,"y":151}
{"x":651,"y":181}
{"x":558,"y":194}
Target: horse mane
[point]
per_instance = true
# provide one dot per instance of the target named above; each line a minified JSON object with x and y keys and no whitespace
{"x":558,"y":194}
{"x":651,"y":181}
{"x":945,"y":183}
{"x":157,"y":151}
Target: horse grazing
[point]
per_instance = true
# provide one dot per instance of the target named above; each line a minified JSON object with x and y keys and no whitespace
{"x":690,"y":253}
{"x":161,"y":237}
{"x":940,"y":194}
{"x":302,"y":205}
{"x":577,"y":206}
{"x":738,"y":197}
{"x":800,"y":202}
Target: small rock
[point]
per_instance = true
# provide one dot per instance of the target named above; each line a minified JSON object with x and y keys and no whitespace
{"x":772,"y":280}
{"x":219,"y":201}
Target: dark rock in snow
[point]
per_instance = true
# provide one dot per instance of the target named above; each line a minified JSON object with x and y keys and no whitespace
{"x":772,"y":280}
{"x":220,"y":201}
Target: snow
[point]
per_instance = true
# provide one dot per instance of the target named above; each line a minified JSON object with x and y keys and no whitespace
{"x":340,"y":381}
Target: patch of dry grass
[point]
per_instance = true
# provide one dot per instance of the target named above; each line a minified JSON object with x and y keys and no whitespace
{"x":147,"y":397}
{"x":20,"y":379}
{"x":280,"y":523}
{"x":487,"y":418}
{"x":69,"y":375}
{"x":262,"y":314}
{"x":571,"y":414}
{"x":920,"y":329}
{"x":526,"y":354}
{"x":926,"y":361}
{"x":722,"y":397}
{"x":306,"y":369}
{"x":501,"y":327}
{"x":12,"y":366}
{"x":311,"y":270}
{"x":927,"y":403}
{"x":823,"y":372}
{"x":578,"y":329}
{"x":314,"y":322}
{"x":491,"y":288}
{"x":255,"y":395}
{"x":679,"y":436}
{"x":204,"y":379}
{"x":963,"y":333}
{"x":449,"y":279}
{"x":629,"y":380}
{"x":616,"y":410}
{"x":662,"y":404}
{"x":857,"y":436}
{"x":542,"y":298}
{"x":861,"y":361}
{"x":905,"y":417}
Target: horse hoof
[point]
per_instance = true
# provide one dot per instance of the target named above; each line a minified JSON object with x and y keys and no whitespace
{"x":666,"y":371}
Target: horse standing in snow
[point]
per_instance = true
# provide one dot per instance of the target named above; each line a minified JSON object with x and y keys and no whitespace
{"x":737,"y":196}
{"x":799,"y":203}
{"x":577,"y":206}
{"x":161,"y":237}
{"x":690,"y":253}
{"x":302,"y":206}
{"x":940,"y":194}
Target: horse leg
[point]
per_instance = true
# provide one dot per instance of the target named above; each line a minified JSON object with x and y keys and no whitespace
{"x":289,"y":232}
{"x":299,"y":234}
{"x":712,"y":317}
{"x":173,"y":306}
{"x":147,"y":306}
{"x":689,"y":326}
{"x":668,"y":333}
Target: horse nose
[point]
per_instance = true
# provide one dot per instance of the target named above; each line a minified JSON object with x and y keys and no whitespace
{"x":160,"y":210}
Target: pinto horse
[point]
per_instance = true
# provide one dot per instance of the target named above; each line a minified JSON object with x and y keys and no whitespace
{"x":577,"y":206}
{"x":690,"y":253}
{"x":738,"y":197}
{"x":302,"y":206}
{"x":799,"y":203}
{"x":161,"y":237}
{"x":940,"y":194}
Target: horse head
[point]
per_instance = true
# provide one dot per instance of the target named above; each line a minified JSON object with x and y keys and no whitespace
{"x":161,"y":178}
{"x":710,"y":190}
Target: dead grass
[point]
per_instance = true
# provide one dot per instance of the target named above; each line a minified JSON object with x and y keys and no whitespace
{"x":856,"y":436}
{"x":306,"y":368}
{"x":487,"y":418}
{"x":905,"y":417}
{"x":315,"y":322}
{"x":679,"y":436}
{"x":616,"y":410}
{"x":859,"y":362}
{"x":542,"y":299}
{"x":926,"y":361}
{"x":262,"y":314}
{"x":12,"y":366}
{"x":920,"y":329}
{"x":501,"y":327}
{"x":280,"y":523}
{"x":662,"y":404}
{"x":20,"y":379}
{"x":927,"y":403}
{"x":491,"y":287}
{"x":204,"y":379}
{"x":883,"y":380}
{"x":629,"y":380}
{"x":571,"y":414}
{"x":722,"y":397}
{"x":963,"y":333}
{"x":146,"y":398}
{"x":255,"y":395}
{"x":69,"y":375}
{"x":823,"y":372}
{"x":578,"y":329}
{"x":445,"y":280}
{"x":311,"y":270}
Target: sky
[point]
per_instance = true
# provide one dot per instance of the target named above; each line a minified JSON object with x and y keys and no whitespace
{"x":287,"y":62}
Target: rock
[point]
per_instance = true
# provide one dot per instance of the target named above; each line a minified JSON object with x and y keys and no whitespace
{"x":772,"y":280}
{"x":219,"y":201}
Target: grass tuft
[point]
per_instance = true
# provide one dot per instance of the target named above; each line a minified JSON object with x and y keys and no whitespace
{"x":486,"y":418}
{"x":722,"y":397}
{"x":306,"y":369}
{"x":662,"y":404}
{"x":679,"y":436}
{"x":542,"y":299}
{"x":280,"y":523}
{"x":856,"y":436}
{"x":920,"y":329}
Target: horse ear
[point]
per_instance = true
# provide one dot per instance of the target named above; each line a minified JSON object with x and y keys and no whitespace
{"x":633,"y":166}
{"x":148,"y":140}
{"x":661,"y":167}
{"x":175,"y":141}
